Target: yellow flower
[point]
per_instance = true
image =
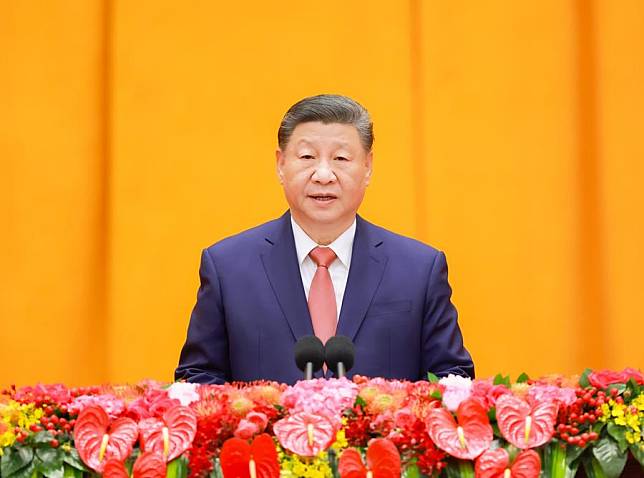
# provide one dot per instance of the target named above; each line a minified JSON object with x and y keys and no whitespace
{"x":295,"y":466}
{"x":340,"y":440}
{"x":638,"y":402}
{"x":631,"y":417}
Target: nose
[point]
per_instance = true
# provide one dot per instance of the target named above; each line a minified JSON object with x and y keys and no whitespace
{"x":323,"y":173}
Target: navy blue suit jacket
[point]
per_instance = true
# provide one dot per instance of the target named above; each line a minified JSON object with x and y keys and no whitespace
{"x":251,"y":309}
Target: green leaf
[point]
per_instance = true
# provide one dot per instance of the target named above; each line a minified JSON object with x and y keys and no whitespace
{"x":572,"y":454}
{"x":501,"y":380}
{"x":436,"y":394}
{"x":637,"y":449}
{"x":611,"y":460}
{"x":620,"y":387}
{"x":73,"y":459}
{"x":177,"y":468}
{"x":555,"y":461}
{"x":459,"y":469}
{"x":619,"y":434}
{"x":15,"y":458}
{"x":412,"y":471}
{"x":25,"y":472}
{"x":54,"y":472}
{"x":592,"y":467}
{"x":71,"y":472}
{"x":360,"y":402}
{"x":432,"y":378}
{"x":634,"y":387}
{"x":41,"y":438}
{"x":523,"y":378}
{"x":49,"y":462}
{"x":583,"y":380}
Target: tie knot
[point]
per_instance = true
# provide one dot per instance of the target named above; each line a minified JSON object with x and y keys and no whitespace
{"x":322,"y":256}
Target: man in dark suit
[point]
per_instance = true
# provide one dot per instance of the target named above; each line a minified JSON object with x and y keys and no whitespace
{"x":321,"y":269}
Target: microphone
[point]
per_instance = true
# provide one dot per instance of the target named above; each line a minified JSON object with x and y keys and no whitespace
{"x":309,"y":355}
{"x":339,"y":355}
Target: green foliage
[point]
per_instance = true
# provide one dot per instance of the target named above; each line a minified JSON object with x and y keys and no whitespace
{"x":583,"y":380}
{"x":560,"y":461}
{"x":177,"y":468}
{"x":436,"y":394}
{"x":619,"y":435}
{"x":49,"y":462}
{"x":610,"y":458}
{"x":15,"y":459}
{"x":637,"y":449}
{"x":432,"y":378}
{"x":412,"y":471}
{"x":501,"y":380}
{"x":72,"y":459}
{"x":523,"y":378}
{"x":459,"y":469}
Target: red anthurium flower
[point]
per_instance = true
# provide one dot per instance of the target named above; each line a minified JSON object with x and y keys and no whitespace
{"x":466,"y":439}
{"x":172,"y":434}
{"x":149,"y":464}
{"x":241,"y":460}
{"x":383,"y":461}
{"x":496,"y":464}
{"x":97,"y":439}
{"x":525,"y":425}
{"x":305,"y":434}
{"x":114,"y":469}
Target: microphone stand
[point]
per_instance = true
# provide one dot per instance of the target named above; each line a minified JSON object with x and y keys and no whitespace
{"x":341,"y":370}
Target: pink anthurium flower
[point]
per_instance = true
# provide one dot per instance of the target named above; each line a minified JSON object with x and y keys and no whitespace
{"x":257,"y":460}
{"x":496,"y":464}
{"x":149,"y":464}
{"x":99,"y":439}
{"x":304,"y":433}
{"x":465,"y":439}
{"x":523,"y":424}
{"x":383,"y":461}
{"x":172,"y":434}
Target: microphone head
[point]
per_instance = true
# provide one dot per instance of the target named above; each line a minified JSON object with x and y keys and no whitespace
{"x":339,"y":349}
{"x":309,"y":349}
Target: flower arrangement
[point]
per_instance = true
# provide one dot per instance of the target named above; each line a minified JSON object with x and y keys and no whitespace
{"x":546,"y":427}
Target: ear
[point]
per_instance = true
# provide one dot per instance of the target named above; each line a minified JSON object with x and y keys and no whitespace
{"x":279,"y":163}
{"x":369,"y":164}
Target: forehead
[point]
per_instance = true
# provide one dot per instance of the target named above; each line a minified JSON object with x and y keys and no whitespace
{"x":320,"y":134}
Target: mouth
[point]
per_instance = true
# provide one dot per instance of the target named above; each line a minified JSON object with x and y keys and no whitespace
{"x":322,"y":197}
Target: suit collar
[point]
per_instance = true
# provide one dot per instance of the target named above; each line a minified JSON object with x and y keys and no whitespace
{"x":283,"y":272}
{"x":368,"y":263}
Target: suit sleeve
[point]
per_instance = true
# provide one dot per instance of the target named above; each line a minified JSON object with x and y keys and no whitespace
{"x":442,"y":341}
{"x":204,"y":356}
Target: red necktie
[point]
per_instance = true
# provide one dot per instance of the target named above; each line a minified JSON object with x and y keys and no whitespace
{"x":322,"y":306}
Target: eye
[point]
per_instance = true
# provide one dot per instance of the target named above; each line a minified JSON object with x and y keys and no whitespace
{"x":306,"y":156}
{"x":341,"y":158}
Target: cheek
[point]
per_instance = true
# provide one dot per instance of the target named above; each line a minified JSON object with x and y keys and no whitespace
{"x":295,"y":181}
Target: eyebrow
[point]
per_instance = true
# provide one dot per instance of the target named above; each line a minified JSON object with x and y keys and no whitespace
{"x":339,"y":143}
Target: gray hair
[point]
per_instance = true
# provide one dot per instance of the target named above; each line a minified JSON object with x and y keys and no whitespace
{"x":327,"y":109}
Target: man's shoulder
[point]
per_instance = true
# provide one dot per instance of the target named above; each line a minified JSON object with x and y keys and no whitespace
{"x":395,"y":243}
{"x":246,"y":241}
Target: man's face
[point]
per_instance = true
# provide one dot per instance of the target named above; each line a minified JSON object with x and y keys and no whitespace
{"x":324,"y":170}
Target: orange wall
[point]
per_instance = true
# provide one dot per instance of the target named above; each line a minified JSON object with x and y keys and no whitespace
{"x":136,"y":133}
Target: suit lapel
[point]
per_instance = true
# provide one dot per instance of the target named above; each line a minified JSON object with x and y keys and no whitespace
{"x":283,"y":272}
{"x":365,"y":273}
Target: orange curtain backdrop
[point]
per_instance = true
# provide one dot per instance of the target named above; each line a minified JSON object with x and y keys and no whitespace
{"x":133,"y":134}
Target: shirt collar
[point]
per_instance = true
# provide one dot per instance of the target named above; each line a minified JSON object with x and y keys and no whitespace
{"x":342,"y":246}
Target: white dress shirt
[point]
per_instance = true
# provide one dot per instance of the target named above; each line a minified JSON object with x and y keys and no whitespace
{"x":339,"y":268}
